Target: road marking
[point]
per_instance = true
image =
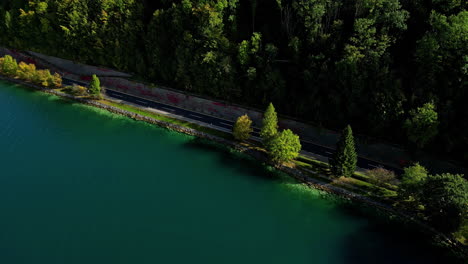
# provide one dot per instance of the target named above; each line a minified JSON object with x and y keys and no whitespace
{"x":168,"y":109}
{"x":195,"y":116}
{"x":225,"y":124}
{"x":370,"y":165}
{"x":328,"y":152}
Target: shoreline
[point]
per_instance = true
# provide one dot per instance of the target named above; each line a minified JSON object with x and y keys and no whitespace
{"x":452,"y":244}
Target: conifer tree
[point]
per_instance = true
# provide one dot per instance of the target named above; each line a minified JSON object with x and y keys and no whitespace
{"x":345,"y":158}
{"x":269,"y":125}
{"x":95,"y":85}
{"x":242,"y":128}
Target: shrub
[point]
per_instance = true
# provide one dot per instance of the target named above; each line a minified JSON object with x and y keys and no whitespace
{"x":77,"y":90}
{"x":382,"y":177}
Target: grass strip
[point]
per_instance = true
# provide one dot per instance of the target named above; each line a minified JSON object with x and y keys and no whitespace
{"x":175,"y":121}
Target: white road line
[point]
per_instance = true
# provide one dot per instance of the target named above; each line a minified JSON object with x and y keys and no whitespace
{"x":168,"y":109}
{"x":328,"y":152}
{"x":195,"y":116}
{"x":225,"y":124}
{"x":370,"y":165}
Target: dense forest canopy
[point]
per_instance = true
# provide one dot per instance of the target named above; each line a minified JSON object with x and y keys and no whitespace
{"x":376,"y":64}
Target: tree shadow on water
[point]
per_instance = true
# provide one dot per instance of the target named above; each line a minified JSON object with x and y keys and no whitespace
{"x":380,"y":239}
{"x":240,"y":162}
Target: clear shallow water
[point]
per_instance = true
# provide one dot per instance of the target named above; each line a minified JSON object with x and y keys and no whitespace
{"x":80,"y":185}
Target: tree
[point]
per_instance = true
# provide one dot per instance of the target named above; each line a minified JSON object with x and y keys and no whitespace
{"x":422,"y":125}
{"x":410,"y":189}
{"x":345,"y":158}
{"x":57,"y":80}
{"x":445,"y":200}
{"x":414,"y":175}
{"x":95,"y":85}
{"x":285,"y":146}
{"x":412,"y":180}
{"x":242,"y":128}
{"x":269,"y":125}
{"x":9,"y":66}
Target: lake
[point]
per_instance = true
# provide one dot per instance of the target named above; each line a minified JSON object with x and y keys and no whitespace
{"x":81,"y":185}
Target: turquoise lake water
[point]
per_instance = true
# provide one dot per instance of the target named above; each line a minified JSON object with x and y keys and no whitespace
{"x":80,"y":185}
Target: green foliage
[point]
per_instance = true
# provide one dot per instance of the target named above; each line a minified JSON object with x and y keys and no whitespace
{"x":269,"y":125}
{"x":242,"y":128}
{"x":76,"y":90}
{"x":411,"y":181}
{"x":9,"y":66}
{"x":284,"y":147}
{"x":345,"y":158}
{"x":445,"y":199}
{"x":28,"y":72}
{"x":326,"y":61}
{"x":95,"y":85}
{"x":414,"y":175}
{"x":422,"y":126}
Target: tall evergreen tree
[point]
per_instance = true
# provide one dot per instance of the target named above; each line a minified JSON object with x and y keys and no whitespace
{"x":345,"y":158}
{"x":95,"y":85}
{"x":270,"y":125}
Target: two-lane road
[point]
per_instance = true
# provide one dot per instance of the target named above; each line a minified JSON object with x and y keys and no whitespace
{"x":226,"y":124}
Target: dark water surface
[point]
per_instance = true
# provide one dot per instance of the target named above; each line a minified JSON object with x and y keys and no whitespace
{"x":80,"y":185}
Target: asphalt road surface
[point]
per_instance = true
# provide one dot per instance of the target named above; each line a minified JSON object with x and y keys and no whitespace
{"x":308,"y":146}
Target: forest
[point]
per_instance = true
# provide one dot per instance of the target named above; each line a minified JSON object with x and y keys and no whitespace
{"x":396,"y":70}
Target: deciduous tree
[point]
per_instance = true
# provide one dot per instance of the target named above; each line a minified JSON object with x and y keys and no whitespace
{"x":422,"y":125}
{"x":445,"y":200}
{"x":242,"y":128}
{"x":284,"y":147}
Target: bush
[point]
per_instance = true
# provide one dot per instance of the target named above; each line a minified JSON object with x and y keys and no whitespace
{"x":76,"y":90}
{"x":382,"y":177}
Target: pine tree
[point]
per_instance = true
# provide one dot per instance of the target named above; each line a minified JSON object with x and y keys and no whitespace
{"x":242,"y":128}
{"x":270,"y":125}
{"x":345,"y":158}
{"x":95,"y":85}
